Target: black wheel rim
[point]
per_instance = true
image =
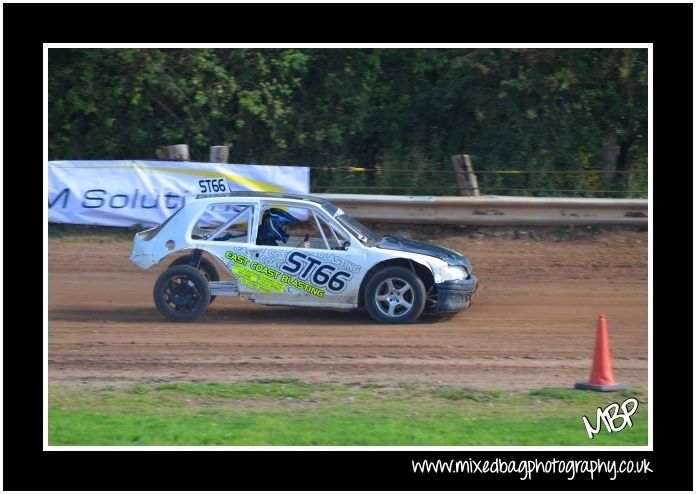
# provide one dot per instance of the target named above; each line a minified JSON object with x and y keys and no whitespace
{"x":181,"y":294}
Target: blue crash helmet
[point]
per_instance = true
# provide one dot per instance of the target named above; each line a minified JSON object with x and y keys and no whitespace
{"x":273,"y":226}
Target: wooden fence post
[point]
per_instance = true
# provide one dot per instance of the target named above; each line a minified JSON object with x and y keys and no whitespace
{"x":219,"y":154}
{"x":177,"y":152}
{"x":466,"y":178}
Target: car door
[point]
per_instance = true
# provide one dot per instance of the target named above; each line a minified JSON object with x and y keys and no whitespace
{"x":316,"y":263}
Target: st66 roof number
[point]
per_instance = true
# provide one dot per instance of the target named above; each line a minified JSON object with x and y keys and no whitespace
{"x":212,"y":185}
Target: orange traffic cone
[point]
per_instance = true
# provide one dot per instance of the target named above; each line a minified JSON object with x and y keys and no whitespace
{"x":602,"y":376}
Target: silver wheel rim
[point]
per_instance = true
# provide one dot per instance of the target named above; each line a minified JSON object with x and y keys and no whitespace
{"x":394,"y":297}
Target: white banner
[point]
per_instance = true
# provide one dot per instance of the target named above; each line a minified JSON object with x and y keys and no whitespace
{"x":125,"y":193}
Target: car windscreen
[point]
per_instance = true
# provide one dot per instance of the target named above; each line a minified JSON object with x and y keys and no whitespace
{"x":360,"y":231}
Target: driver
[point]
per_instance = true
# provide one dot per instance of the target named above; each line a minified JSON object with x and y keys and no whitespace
{"x":273,"y":226}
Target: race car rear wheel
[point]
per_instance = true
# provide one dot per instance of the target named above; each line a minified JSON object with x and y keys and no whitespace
{"x":395,"y":295}
{"x":205,"y":266}
{"x":181,"y":293}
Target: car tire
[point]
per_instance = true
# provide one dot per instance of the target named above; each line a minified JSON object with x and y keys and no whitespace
{"x":395,"y":295}
{"x":205,"y":266}
{"x":181,"y":293}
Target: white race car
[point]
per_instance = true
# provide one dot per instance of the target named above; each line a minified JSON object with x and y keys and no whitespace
{"x":282,"y":249}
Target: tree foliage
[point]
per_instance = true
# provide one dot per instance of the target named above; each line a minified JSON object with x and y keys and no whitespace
{"x":384,"y":110}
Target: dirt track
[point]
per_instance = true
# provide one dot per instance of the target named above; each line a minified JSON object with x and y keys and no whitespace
{"x":532,"y":326}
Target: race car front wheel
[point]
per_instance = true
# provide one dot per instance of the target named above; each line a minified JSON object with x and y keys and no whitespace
{"x":395,"y":295}
{"x":181,"y":293}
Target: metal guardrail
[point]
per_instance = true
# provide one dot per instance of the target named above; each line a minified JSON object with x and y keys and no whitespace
{"x":493,"y":210}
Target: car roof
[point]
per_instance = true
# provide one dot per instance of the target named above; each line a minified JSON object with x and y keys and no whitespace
{"x":270,"y":195}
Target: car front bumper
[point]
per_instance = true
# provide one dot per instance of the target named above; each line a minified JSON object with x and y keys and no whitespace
{"x":455,"y":295}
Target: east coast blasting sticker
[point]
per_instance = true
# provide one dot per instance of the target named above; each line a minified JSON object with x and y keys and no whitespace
{"x":265,"y":279}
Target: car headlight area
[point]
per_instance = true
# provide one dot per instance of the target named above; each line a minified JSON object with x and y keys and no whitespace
{"x":448,"y":273}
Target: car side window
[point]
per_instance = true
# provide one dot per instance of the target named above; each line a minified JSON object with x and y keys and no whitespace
{"x":335,"y":238}
{"x":298,"y":227}
{"x":224,"y":222}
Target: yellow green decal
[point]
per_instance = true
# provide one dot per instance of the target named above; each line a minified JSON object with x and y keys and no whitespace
{"x":264,"y":279}
{"x":302,"y":285}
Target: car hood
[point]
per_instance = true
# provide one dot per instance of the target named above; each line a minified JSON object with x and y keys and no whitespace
{"x":404,"y":244}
